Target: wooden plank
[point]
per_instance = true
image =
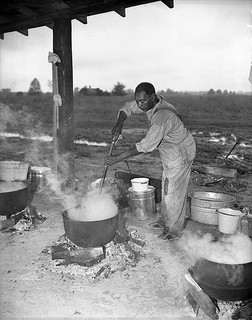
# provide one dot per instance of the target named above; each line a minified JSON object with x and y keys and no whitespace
{"x":62,"y":46}
{"x":121,"y":12}
{"x":169,"y":3}
{"x":51,"y":13}
{"x":26,"y":11}
{"x":50,"y":26}
{"x":82,"y":19}
{"x":202,"y":299}
{"x":24,"y":32}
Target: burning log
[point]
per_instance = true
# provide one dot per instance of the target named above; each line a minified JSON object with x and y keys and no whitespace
{"x":213,"y":308}
{"x":198,"y":297}
{"x":96,"y":263}
{"x":22,"y":221}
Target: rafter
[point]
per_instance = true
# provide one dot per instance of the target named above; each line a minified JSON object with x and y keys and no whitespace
{"x":121,"y":12}
{"x":24,"y":32}
{"x":82,"y":19}
{"x":25,"y":14}
{"x":169,"y":3}
{"x":49,"y":25}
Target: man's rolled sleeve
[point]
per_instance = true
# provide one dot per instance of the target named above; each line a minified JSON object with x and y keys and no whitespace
{"x":129,"y":108}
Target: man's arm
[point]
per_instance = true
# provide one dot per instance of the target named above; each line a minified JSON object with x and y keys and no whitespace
{"x":117,"y":130}
{"x":126,"y":154}
{"x":124,"y":113}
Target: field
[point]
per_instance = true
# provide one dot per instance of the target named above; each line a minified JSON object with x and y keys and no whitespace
{"x":153,"y":288}
{"x":225,"y":117}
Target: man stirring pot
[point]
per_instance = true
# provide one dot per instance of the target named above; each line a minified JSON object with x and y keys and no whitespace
{"x":176,"y":147}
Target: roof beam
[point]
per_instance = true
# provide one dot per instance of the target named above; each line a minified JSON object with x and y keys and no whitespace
{"x":84,"y":9}
{"x":3,"y":19}
{"x":82,"y":19}
{"x":121,"y":12}
{"x":26,"y":11}
{"x":24,"y":32}
{"x":169,"y":3}
{"x":50,"y":25}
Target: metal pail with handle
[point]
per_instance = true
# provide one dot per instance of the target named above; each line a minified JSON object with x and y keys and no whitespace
{"x":142,"y":204}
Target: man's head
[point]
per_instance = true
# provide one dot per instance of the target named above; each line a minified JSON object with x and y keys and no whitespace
{"x":145,"y":96}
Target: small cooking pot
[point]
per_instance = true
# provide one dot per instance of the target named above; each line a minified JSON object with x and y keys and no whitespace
{"x":90,"y":233}
{"x":13,"y":197}
{"x":228,"y":282}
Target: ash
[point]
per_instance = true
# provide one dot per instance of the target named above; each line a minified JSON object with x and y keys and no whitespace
{"x":95,"y":264}
{"x":24,"y":220}
{"x":235,"y":310}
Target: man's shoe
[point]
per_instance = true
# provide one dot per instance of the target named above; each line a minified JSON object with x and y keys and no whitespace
{"x":167,"y":235}
{"x":158,"y":224}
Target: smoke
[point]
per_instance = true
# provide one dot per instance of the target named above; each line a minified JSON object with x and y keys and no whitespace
{"x":7,"y":117}
{"x":232,"y":249}
{"x":19,"y":119}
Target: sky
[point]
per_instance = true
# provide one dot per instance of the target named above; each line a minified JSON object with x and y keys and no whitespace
{"x":196,"y":46}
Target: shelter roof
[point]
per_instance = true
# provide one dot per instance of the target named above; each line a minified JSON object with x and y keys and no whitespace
{"x":21,"y":15}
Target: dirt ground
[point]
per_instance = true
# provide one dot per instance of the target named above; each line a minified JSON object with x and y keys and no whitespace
{"x":32,"y":288}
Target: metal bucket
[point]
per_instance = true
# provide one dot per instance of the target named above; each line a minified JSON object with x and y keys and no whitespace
{"x":228,"y":220}
{"x":203,"y":206}
{"x":142,"y":204}
{"x":38,"y":176}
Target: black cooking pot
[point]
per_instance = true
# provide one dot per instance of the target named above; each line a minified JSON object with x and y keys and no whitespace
{"x":13,"y":197}
{"x":228,"y":282}
{"x":90,"y":233}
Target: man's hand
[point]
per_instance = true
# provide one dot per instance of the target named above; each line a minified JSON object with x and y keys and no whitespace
{"x":109,"y":161}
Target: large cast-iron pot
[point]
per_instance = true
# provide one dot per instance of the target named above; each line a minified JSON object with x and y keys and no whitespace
{"x":228,"y":282}
{"x":13,"y":197}
{"x":90,"y":233}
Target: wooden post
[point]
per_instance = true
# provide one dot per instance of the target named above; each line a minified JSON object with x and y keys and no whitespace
{"x":62,"y":46}
{"x":54,"y":59}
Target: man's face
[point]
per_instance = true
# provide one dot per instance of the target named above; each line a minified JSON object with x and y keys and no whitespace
{"x":144,"y":100}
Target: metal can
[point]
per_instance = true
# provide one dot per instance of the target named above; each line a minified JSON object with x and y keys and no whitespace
{"x":38,"y":176}
{"x":142,"y":204}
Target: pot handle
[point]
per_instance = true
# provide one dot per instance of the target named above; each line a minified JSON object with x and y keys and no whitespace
{"x":243,"y":225}
{"x":206,"y":204}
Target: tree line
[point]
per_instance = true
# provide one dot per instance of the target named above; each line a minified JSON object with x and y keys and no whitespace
{"x":118,"y":90}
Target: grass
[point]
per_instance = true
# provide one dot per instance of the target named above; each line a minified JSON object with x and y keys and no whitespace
{"x":95,"y":116}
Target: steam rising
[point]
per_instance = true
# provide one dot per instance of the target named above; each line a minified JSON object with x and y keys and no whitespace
{"x":17,"y":119}
{"x":90,"y":206}
{"x":8,"y":117}
{"x":233,"y":249}
{"x":94,"y":207}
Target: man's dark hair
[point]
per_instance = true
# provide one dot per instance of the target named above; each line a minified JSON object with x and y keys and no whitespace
{"x":146,"y":87}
